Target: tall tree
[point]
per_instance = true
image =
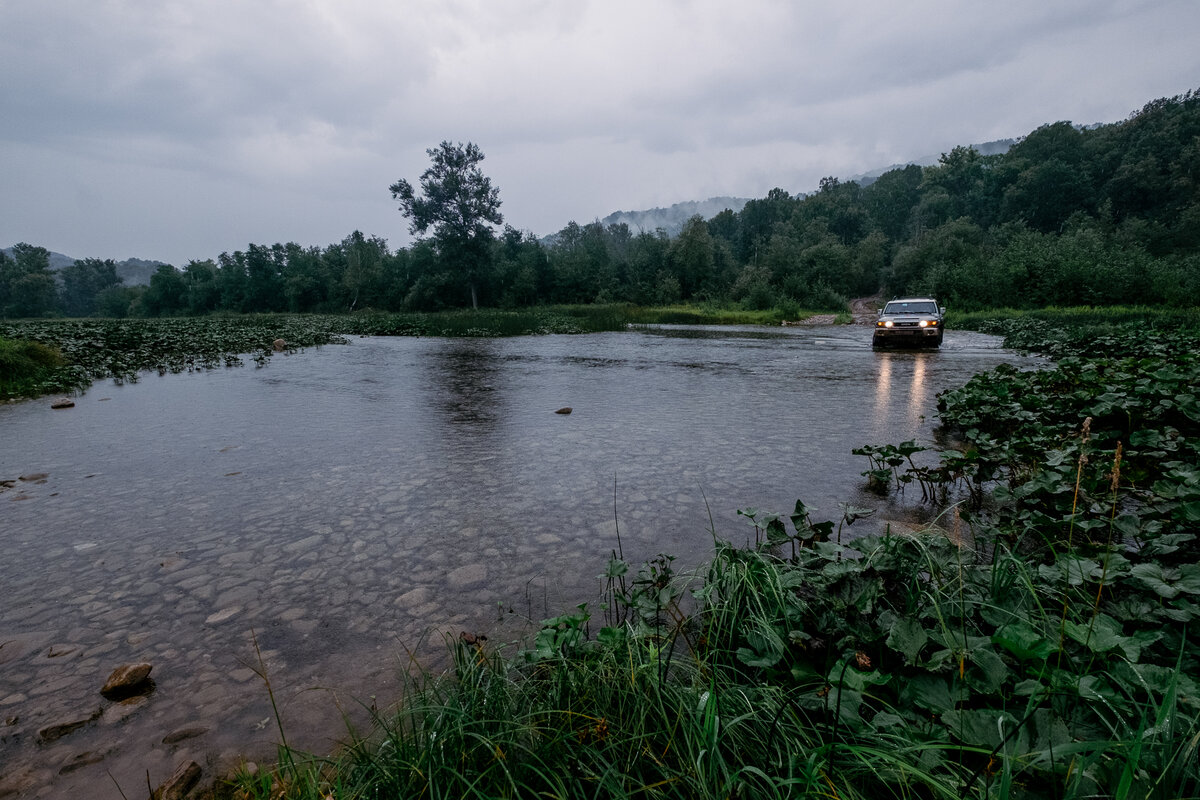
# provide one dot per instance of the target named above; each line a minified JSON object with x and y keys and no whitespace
{"x":459,"y":202}
{"x":27,"y":286}
{"x":83,"y":281}
{"x":166,"y":294}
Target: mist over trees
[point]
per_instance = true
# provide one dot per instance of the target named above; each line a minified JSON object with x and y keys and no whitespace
{"x":1068,"y":216}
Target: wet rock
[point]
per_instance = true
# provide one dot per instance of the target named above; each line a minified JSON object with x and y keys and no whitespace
{"x":468,"y":575}
{"x":183,"y":734}
{"x":118,"y":712}
{"x":18,"y":781}
{"x":65,"y":402}
{"x":564,"y":410}
{"x":127,"y":681}
{"x":414,"y":597}
{"x":177,"y":786}
{"x":36,"y":477}
{"x":56,"y":731}
{"x":80,"y":760}
{"x":61,"y":651}
{"x":279,"y":344}
{"x":222,"y":615}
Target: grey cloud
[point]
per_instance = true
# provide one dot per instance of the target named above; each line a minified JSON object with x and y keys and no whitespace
{"x":312,"y":107}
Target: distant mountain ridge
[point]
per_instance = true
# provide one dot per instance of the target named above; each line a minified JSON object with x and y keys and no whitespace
{"x":672,"y":218}
{"x":131,"y":271}
{"x":997,"y":147}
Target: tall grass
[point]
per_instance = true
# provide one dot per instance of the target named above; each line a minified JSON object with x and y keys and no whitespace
{"x":29,"y":368}
{"x":901,"y":666}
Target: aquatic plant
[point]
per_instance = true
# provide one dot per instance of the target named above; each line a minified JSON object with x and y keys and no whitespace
{"x":894,"y":665}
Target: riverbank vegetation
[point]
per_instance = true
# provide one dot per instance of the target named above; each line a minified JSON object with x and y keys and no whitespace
{"x":55,"y":355}
{"x":1100,"y":215}
{"x":1037,"y":641}
{"x":30,"y":368}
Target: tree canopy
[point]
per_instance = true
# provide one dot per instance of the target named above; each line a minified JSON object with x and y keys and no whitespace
{"x":459,"y":202}
{"x":1104,"y":214}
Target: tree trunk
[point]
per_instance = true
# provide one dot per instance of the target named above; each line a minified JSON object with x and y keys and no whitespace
{"x":474,"y":297}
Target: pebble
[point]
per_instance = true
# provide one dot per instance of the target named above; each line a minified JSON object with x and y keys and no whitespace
{"x":222,"y":615}
{"x":57,"y":730}
{"x":174,"y":737}
{"x":467,"y":576}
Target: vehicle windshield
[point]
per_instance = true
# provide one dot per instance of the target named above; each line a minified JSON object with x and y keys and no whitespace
{"x":923,"y":307}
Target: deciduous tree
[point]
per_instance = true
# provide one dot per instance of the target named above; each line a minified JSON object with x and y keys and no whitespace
{"x":461,"y":206}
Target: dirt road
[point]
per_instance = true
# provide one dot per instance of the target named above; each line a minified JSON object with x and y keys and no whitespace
{"x":864,"y":308}
{"x":861,"y":308}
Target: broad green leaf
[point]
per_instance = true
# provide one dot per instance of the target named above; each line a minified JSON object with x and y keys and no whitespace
{"x":991,"y":672}
{"x":884,"y":720}
{"x":908,"y":637}
{"x":1190,"y":511}
{"x":979,"y":727}
{"x":931,"y":692}
{"x":1024,"y":642}
{"x":1152,"y":576}
{"x":1099,"y":635}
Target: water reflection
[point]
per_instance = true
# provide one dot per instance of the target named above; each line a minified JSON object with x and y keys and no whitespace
{"x":901,"y":387}
{"x":465,"y":382}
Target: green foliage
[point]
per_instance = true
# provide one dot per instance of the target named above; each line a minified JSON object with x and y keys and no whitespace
{"x":29,"y":368}
{"x":122,"y":349}
{"x":1105,"y":215}
{"x":26,"y":284}
{"x":896,"y":666}
{"x":459,"y":202}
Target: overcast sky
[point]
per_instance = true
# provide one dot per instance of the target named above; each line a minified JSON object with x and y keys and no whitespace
{"x":178,"y":130}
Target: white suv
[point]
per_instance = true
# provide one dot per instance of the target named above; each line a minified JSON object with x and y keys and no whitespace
{"x":916,"y":321}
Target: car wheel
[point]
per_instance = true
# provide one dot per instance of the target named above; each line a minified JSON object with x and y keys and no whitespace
{"x":877,"y":341}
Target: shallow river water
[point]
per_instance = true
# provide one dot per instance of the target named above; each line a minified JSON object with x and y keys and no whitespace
{"x":346,"y":507}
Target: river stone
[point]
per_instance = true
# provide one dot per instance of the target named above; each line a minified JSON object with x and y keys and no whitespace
{"x":81,"y":760}
{"x":120,"y":711}
{"x":177,"y":786}
{"x":174,"y":737}
{"x":128,"y":680}
{"x":468,"y":575}
{"x":414,"y":597}
{"x":564,"y":410}
{"x":222,"y":615}
{"x":54,"y":732}
{"x":63,"y":403}
{"x":20,"y":780}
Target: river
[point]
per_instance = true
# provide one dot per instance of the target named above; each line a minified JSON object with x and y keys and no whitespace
{"x":326,"y":520}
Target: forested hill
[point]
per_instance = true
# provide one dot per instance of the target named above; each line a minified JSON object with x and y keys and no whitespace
{"x":1066,"y":215}
{"x":131,"y":271}
{"x":992,"y":148}
{"x":1069,"y":215}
